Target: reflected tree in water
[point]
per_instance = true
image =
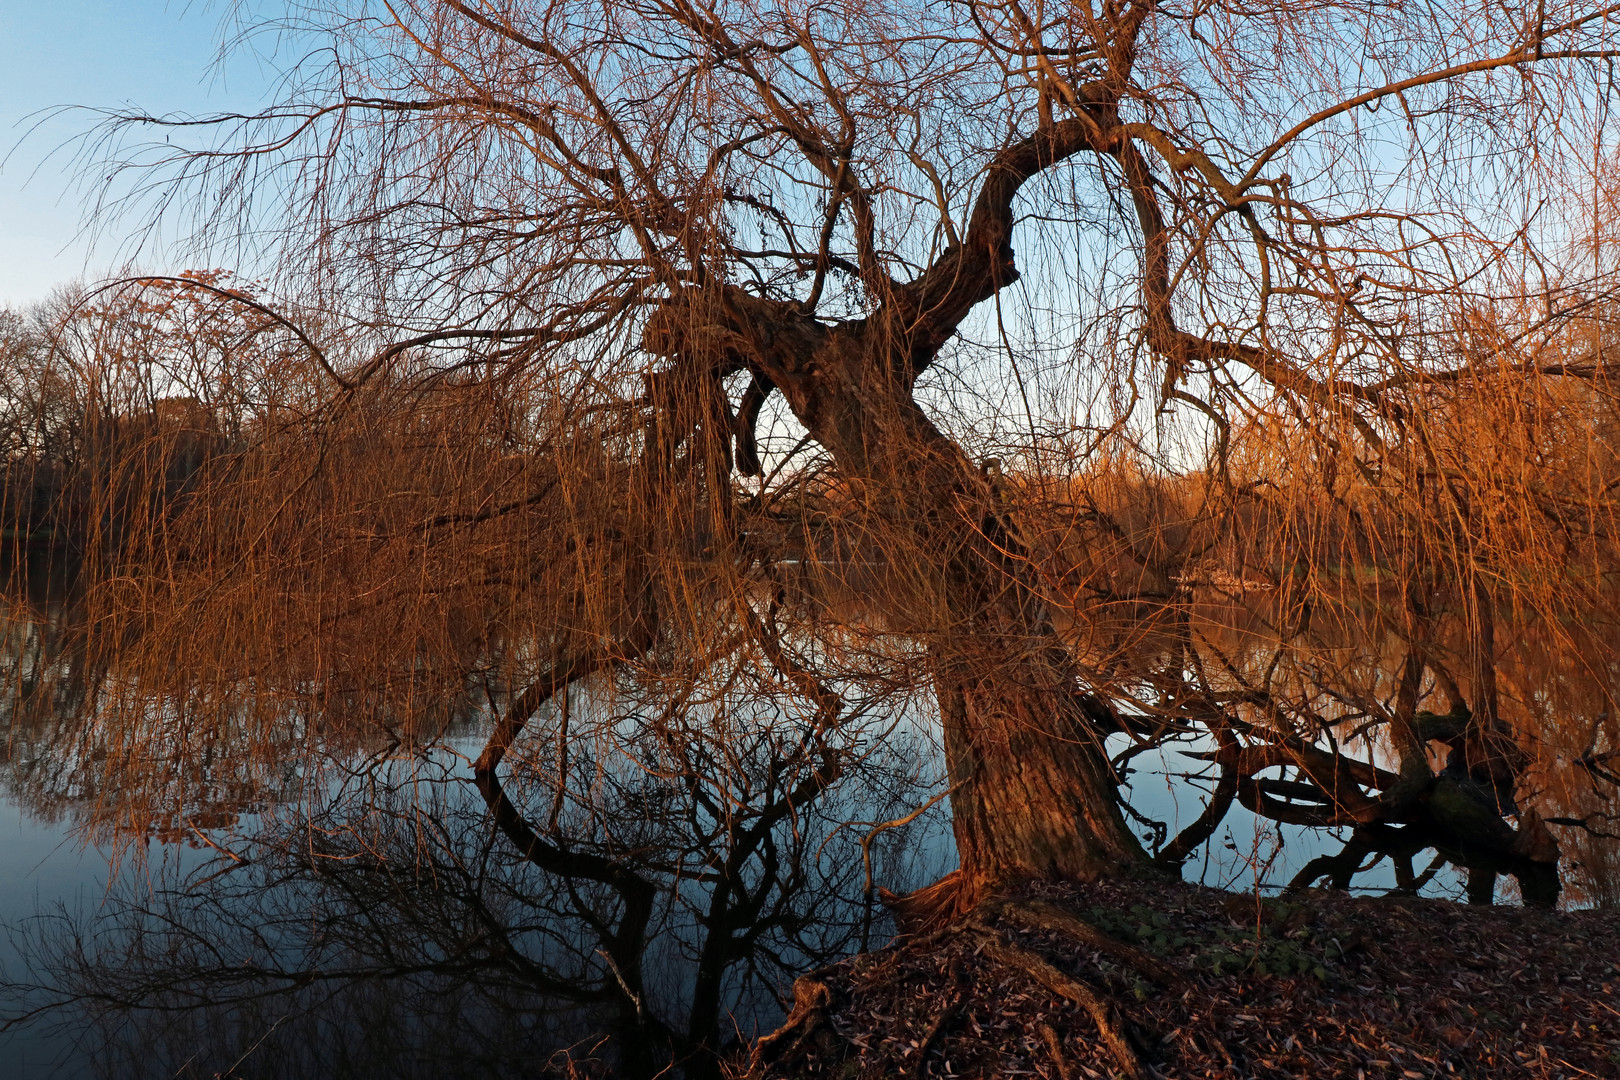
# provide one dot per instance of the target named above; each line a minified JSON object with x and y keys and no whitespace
{"x":643,"y":898}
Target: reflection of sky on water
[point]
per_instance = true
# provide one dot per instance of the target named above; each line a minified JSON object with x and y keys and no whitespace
{"x":39,"y":866}
{"x":43,"y":867}
{"x":46,"y":871}
{"x":1245,"y":844}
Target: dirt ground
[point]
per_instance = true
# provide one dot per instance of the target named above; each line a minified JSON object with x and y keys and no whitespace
{"x":1150,"y":979}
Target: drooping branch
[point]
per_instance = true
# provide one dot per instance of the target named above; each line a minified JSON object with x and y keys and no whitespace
{"x":1193,"y":837}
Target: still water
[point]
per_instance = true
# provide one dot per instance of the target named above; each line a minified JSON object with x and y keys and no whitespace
{"x":51,"y":880}
{"x":368,"y":910}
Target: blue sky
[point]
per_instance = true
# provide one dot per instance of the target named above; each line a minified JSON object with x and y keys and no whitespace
{"x":98,"y":53}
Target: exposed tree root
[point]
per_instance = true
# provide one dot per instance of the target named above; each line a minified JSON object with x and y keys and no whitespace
{"x":949,"y":907}
{"x":1318,"y":985}
{"x":1055,"y":1045}
{"x":807,"y":1032}
{"x":1044,"y":915}
{"x":1109,"y":1025}
{"x":947,"y":902}
{"x":945,"y":1018}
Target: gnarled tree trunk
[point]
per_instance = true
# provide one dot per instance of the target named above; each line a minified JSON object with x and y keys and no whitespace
{"x":1033,"y":792}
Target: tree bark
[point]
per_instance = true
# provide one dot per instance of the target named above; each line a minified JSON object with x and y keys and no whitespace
{"x":1034,"y":794}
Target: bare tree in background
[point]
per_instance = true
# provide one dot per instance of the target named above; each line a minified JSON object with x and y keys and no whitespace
{"x":1334,"y":247}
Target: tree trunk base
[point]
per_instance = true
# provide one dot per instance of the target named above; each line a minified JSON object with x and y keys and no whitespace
{"x":932,"y":908}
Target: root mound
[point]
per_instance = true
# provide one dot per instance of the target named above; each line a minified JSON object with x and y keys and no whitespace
{"x":1148,"y":979}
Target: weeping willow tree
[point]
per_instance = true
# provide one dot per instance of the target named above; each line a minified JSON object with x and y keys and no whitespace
{"x":1136,"y":370}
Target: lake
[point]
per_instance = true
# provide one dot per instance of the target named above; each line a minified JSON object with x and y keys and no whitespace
{"x":363,"y":908}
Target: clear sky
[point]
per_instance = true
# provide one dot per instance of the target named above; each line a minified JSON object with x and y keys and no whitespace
{"x":155,"y":54}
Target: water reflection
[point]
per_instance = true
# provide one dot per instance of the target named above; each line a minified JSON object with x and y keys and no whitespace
{"x":626,"y":902}
{"x":395,"y":933}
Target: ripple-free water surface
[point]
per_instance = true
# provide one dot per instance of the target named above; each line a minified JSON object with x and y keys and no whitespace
{"x":45,"y":869}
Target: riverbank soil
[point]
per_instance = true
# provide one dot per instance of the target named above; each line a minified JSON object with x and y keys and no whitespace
{"x":1150,"y":979}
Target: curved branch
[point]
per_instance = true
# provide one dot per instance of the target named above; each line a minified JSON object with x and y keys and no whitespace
{"x":747,"y":419}
{"x":975,"y":269}
{"x":1529,"y":53}
{"x":246,"y":301}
